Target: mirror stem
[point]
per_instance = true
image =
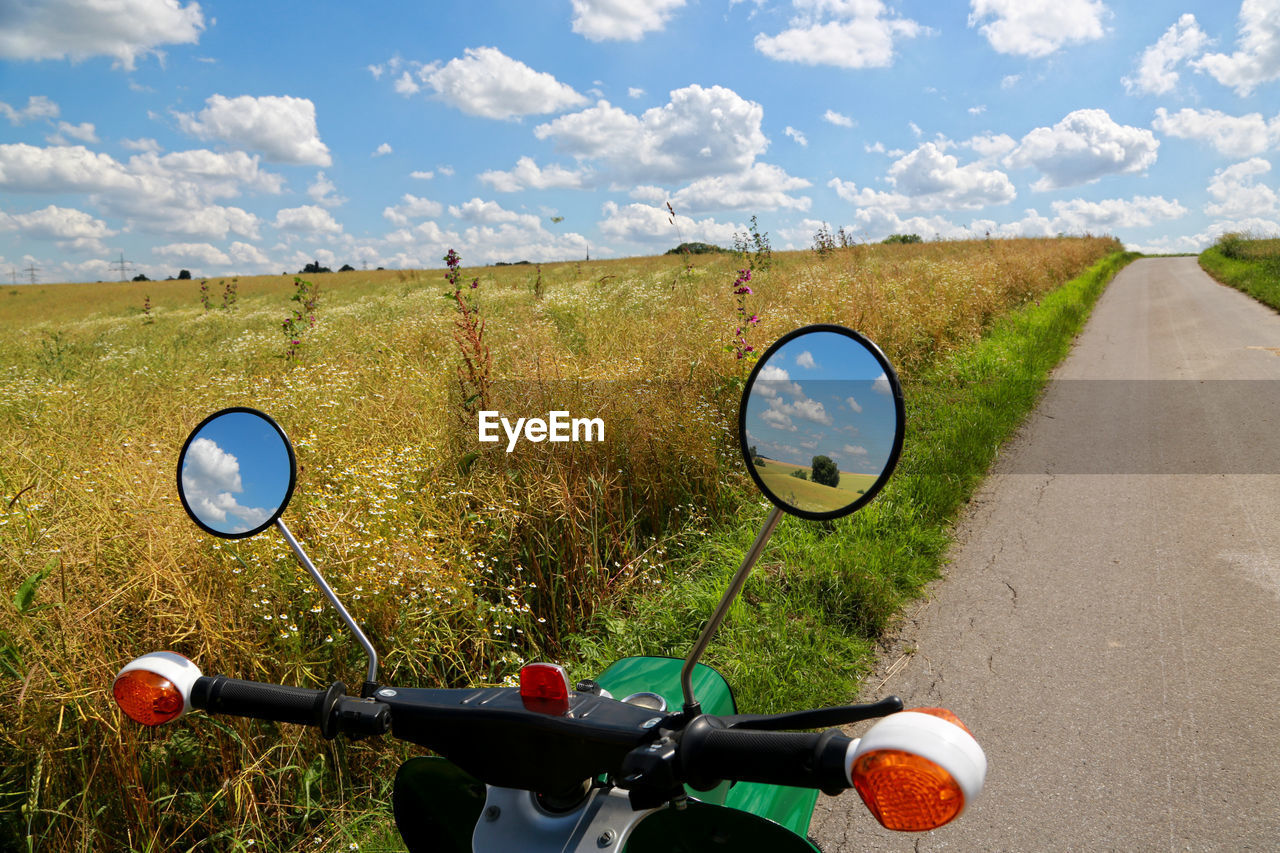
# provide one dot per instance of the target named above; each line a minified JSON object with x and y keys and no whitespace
{"x":371,"y":679}
{"x":691,"y":706}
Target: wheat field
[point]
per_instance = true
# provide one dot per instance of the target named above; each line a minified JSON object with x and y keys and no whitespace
{"x":462,"y":560}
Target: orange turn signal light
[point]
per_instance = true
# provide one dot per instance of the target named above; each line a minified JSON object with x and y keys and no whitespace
{"x":147,"y":698}
{"x":916,"y":770}
{"x":944,"y":714}
{"x":906,"y":792}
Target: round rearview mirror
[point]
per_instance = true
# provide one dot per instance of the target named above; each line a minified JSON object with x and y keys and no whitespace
{"x":236,"y":473}
{"x":821,"y":421}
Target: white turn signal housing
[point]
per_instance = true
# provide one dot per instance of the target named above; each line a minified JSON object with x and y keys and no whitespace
{"x":155,"y":688}
{"x":917,"y":770}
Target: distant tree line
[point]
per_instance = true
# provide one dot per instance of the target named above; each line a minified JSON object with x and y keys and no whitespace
{"x":696,"y":249}
{"x":311,"y":268}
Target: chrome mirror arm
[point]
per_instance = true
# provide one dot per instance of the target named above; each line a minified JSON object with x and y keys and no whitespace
{"x":371,"y":679}
{"x":691,"y":706}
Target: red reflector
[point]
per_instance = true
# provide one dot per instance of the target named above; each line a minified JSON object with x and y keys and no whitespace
{"x":147,"y":698}
{"x":544,"y":688}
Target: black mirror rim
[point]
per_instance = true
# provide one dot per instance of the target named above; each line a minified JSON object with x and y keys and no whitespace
{"x":293,"y":473}
{"x":899,"y":408}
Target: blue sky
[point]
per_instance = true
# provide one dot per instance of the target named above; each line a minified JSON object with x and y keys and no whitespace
{"x":822,"y":393}
{"x":252,"y":138}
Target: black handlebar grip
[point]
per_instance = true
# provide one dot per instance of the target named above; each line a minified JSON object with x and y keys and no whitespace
{"x":218,"y":694}
{"x":709,"y":752}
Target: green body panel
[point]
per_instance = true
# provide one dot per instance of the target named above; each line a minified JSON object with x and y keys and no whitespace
{"x":699,"y":828}
{"x":790,"y":807}
{"x":662,"y":676}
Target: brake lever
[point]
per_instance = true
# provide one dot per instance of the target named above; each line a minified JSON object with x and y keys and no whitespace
{"x":819,"y":718}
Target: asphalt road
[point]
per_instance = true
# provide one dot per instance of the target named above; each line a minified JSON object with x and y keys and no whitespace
{"x":1109,"y":625}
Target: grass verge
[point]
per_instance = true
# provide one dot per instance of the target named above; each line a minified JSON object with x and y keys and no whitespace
{"x":1248,"y":265}
{"x":823,"y":593}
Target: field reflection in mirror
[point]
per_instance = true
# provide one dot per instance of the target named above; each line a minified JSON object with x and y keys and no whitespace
{"x":236,"y":473}
{"x":822,"y":421}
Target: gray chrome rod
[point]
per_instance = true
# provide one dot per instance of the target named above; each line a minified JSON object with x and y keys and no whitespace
{"x":333,"y":599}
{"x":722,"y":610}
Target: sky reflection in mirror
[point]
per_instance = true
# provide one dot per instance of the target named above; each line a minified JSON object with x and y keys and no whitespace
{"x":820,"y":394}
{"x":235,"y":473}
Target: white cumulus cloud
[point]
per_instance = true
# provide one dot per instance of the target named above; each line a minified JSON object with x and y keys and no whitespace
{"x":324,"y":192}
{"x":991,"y":147}
{"x":190,"y":253}
{"x":307,"y":219}
{"x":699,"y":132}
{"x":491,"y":213}
{"x":930,"y":179}
{"x":1083,"y":147}
{"x":38,"y":106}
{"x":648,"y":225}
{"x":1036,"y":28}
{"x":838,"y":119}
{"x":210,"y":482}
{"x":527,"y":174}
{"x":83,"y":132}
{"x":174,"y":193}
{"x":79,"y":29}
{"x":1156,"y":74}
{"x":1109,"y":215}
{"x":760,"y":187}
{"x":621,"y":20}
{"x":73,"y":229}
{"x":412,"y":207}
{"x":1256,"y":59}
{"x":486,"y":82}
{"x":282,"y":128}
{"x":1237,"y":193}
{"x":841,"y":33}
{"x":1234,"y":136}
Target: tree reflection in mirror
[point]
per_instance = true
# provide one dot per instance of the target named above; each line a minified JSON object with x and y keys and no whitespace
{"x":236,"y":473}
{"x":821,"y":422}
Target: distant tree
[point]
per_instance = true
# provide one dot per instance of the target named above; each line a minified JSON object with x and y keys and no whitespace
{"x":902,"y":238}
{"x":696,"y":249}
{"x":347,"y":268}
{"x":825,"y":471}
{"x":184,"y":275}
{"x":800,"y":474}
{"x":312,"y":268}
{"x":140,"y":277}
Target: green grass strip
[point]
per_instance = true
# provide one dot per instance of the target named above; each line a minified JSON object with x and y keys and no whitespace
{"x":1258,"y":277}
{"x":804,"y":631}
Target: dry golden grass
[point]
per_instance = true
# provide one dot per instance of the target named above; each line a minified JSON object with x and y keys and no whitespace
{"x":460,"y":567}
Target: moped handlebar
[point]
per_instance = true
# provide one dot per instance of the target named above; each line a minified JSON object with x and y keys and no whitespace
{"x":709,"y":752}
{"x":331,"y":710}
{"x":477,"y":727}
